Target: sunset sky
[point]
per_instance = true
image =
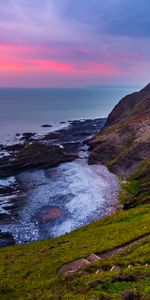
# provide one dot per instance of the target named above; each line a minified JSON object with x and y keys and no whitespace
{"x":74,"y":42}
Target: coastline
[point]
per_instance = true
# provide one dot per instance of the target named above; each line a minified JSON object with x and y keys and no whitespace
{"x":108,"y":258}
{"x":60,"y":152}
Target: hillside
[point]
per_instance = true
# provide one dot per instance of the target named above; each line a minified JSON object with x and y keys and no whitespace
{"x":110,"y":258}
{"x":124,"y":143}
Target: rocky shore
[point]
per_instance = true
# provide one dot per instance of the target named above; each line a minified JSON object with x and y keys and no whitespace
{"x":35,"y":153}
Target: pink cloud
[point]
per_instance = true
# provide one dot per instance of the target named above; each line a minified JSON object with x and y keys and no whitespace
{"x":17,"y":58}
{"x":22,"y":61}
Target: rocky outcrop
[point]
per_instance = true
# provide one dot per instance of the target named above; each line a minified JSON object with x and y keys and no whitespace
{"x":124,"y":143}
{"x":36,"y":155}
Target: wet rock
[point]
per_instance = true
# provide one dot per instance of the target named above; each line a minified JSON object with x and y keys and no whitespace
{"x":52,"y":136}
{"x":46,"y":125}
{"x":50,"y":213}
{"x":27,"y":136}
{"x":72,"y":147}
{"x":77,"y":131}
{"x":6,"y":239}
{"x":33,"y":156}
{"x":15,"y":147}
{"x":5,"y":190}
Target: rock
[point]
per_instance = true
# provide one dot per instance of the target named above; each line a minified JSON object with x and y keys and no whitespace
{"x":77,"y":131}
{"x":93,"y":258}
{"x":15,"y":147}
{"x":52,"y":136}
{"x":4,"y":190}
{"x":6,"y":239}
{"x":73,"y":266}
{"x":27,"y":136}
{"x":50,"y":213}
{"x":46,"y":125}
{"x":36,"y":155}
{"x":72,"y":147}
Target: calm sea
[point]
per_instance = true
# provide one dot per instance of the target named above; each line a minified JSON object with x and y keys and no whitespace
{"x":23,"y":110}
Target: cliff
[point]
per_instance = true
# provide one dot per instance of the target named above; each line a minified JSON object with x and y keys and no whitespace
{"x":124,"y":146}
{"x":124,"y":143}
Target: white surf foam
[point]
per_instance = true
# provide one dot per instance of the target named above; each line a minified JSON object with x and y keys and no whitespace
{"x":85,"y":192}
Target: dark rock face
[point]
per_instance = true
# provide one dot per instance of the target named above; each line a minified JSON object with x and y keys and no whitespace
{"x":6,"y":239}
{"x":124,"y":142}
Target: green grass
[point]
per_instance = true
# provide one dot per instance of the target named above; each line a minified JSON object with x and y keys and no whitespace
{"x":29,"y":271}
{"x":135,"y":189}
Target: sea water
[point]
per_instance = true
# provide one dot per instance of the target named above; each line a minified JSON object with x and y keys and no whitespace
{"x":25,"y":110}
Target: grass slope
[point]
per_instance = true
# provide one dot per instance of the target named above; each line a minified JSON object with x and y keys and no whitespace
{"x":29,"y":271}
{"x":136,"y":189}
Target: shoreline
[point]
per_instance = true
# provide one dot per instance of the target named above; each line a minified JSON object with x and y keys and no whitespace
{"x":69,"y":143}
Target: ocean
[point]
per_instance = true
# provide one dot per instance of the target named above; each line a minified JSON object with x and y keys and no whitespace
{"x":25,"y":110}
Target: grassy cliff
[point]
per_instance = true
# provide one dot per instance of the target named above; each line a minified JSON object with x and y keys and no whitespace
{"x":30,"y":271}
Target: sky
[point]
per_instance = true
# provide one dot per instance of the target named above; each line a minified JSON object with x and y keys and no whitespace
{"x":45,"y":43}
